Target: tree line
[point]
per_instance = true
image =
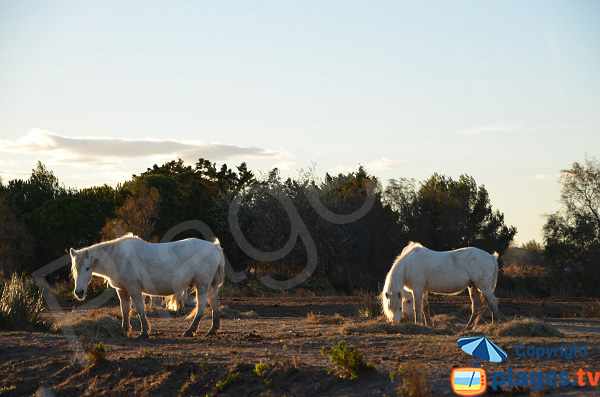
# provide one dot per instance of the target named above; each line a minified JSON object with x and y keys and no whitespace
{"x":40,"y":218}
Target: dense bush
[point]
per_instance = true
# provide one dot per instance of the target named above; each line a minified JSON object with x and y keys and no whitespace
{"x":21,"y":305}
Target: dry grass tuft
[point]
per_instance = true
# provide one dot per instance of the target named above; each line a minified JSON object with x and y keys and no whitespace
{"x":413,"y":381}
{"x":369,"y":305}
{"x":99,"y":323}
{"x":527,"y":327}
{"x":591,"y":310}
{"x":317,"y":318}
{"x":446,"y":320}
{"x":384,"y":327}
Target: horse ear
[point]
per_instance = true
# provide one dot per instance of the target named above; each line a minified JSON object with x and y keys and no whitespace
{"x":388,"y":295}
{"x":72,"y":252}
{"x":87,"y":254}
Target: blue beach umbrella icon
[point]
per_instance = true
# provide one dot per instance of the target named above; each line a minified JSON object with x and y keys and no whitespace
{"x":482,"y":349}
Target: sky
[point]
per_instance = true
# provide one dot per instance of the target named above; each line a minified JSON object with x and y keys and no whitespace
{"x":507,"y":92}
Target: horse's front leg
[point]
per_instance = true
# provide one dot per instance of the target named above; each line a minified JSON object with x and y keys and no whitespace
{"x":138,"y":301}
{"x":418,"y":302}
{"x":125,"y":300}
{"x":426,"y":311}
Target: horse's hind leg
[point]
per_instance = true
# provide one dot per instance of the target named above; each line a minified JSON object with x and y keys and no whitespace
{"x":493,"y":303}
{"x":213,"y":300}
{"x":201,"y":302}
{"x":125,"y":300}
{"x":138,"y":301}
{"x":476,"y":307}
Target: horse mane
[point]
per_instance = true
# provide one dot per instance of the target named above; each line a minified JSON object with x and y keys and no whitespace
{"x":389,"y":278}
{"x":411,"y":245}
{"x":105,"y":247}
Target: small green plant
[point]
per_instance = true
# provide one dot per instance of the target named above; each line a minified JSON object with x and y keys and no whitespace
{"x":413,"y":381}
{"x":96,"y":354}
{"x":21,"y":305}
{"x":146,"y":354}
{"x":347,"y":361}
{"x":186,"y":386}
{"x":6,"y":389}
{"x":261,"y":370}
{"x":222,"y":385}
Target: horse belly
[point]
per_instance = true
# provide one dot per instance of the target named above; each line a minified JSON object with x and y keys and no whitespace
{"x":453,"y":286}
{"x":167,"y":284}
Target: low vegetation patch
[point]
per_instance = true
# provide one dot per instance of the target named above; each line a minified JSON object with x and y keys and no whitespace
{"x":6,"y":389}
{"x":222,"y":385}
{"x":146,"y":354}
{"x":21,"y":305}
{"x":317,"y":318}
{"x":264,"y":371}
{"x":348,"y":362}
{"x":385,"y":327}
{"x":591,"y":310}
{"x":99,"y":323}
{"x":96,"y":354}
{"x":413,"y":381}
{"x":526,"y":327}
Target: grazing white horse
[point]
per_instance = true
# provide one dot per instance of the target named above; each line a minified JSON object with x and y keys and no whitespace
{"x":135,"y":267}
{"x":420,"y":270}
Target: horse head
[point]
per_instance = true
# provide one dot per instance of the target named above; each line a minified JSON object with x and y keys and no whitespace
{"x":81,"y":266}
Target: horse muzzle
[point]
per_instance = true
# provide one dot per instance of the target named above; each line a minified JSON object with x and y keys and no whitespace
{"x":79,"y":293}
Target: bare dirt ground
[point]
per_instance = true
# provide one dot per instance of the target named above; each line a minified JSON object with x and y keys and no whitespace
{"x":282,"y":337}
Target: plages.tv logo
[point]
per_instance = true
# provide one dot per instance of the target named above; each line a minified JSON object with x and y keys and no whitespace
{"x":472,"y":381}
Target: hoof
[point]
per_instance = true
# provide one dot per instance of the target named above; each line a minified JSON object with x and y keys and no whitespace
{"x":211,"y":332}
{"x":143,"y":336}
{"x":188,"y":333}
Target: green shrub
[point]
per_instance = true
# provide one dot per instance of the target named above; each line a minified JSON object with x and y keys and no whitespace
{"x":347,"y":361}
{"x":6,"y":389}
{"x":21,"y":305}
{"x":146,"y":354}
{"x":186,"y":386}
{"x":96,"y":354}
{"x":222,"y":385}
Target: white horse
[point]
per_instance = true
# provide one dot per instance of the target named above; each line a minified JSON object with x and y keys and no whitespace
{"x":135,"y":268}
{"x":420,"y":270}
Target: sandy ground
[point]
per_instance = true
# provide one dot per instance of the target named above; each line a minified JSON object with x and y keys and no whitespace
{"x":282,"y":338}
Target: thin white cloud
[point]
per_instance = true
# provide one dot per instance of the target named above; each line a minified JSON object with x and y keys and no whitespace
{"x":377,"y":165}
{"x":518,"y":127}
{"x":544,"y":176}
{"x":383,"y":164}
{"x":285,"y":165}
{"x":106,"y":150}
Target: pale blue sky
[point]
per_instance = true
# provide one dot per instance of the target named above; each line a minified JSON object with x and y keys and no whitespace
{"x":508,"y":92}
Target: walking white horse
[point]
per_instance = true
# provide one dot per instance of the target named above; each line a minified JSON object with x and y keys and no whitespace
{"x":135,"y":267}
{"x":420,"y":270}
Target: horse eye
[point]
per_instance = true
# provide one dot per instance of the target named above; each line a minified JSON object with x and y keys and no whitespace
{"x":87,"y":268}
